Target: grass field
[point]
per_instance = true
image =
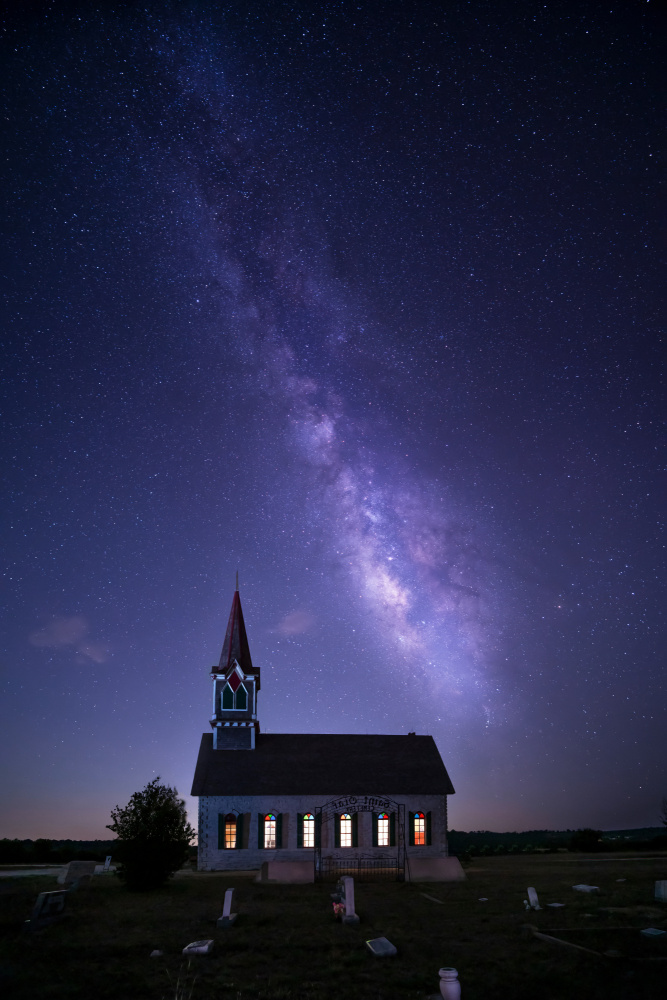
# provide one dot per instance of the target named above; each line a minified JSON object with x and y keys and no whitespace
{"x":286,"y":943}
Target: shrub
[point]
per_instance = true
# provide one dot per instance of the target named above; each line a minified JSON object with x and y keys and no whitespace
{"x":153,"y":836}
{"x":586,"y":840}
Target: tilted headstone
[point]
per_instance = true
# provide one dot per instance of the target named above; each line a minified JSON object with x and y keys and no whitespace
{"x":450,"y":987}
{"x":199,"y":948}
{"x":49,"y":907}
{"x":107,"y":863}
{"x":582,"y":887}
{"x":350,"y":916}
{"x":532,"y":899}
{"x":381,"y":947}
{"x":77,"y":873}
{"x":227,"y":918}
{"x":661,"y":890}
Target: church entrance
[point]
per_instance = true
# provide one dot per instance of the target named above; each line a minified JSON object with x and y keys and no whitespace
{"x":340,"y":848}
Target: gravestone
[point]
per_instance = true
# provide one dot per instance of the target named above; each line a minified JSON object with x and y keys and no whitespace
{"x":198,"y":948}
{"x":77,"y":873}
{"x":381,"y":947}
{"x":350,"y":916}
{"x":227,"y":918}
{"x":450,"y":987}
{"x":107,"y":863}
{"x":582,"y":887}
{"x":532,"y":898}
{"x":661,"y":890}
{"x":49,"y":907}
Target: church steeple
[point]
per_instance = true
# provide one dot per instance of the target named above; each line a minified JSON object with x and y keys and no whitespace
{"x":235,"y":686}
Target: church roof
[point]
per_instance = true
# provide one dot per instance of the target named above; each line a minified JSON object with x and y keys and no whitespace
{"x":235,"y":646}
{"x":326,"y":765}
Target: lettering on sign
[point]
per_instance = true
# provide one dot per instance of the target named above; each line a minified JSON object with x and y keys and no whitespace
{"x":361,"y":803}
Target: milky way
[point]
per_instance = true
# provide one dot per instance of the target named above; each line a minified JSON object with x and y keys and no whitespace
{"x":366,"y":308}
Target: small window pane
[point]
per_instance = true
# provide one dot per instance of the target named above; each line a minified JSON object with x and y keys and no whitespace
{"x":346,"y":830}
{"x":309,"y":830}
{"x":269,"y":831}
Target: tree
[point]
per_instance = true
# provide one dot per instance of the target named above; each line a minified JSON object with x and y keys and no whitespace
{"x":153,"y":836}
{"x":586,"y":840}
{"x":663,"y":812}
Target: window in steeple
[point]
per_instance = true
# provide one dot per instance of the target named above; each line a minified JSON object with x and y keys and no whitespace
{"x":227,"y":698}
{"x":241,"y":703}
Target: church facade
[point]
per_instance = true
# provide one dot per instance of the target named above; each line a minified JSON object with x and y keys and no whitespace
{"x":301,"y":807}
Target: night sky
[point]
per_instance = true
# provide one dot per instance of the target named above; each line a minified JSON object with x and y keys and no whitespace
{"x":362,"y":300}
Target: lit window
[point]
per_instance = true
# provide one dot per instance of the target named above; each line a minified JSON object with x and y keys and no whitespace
{"x":383,"y":830}
{"x":230,"y":831}
{"x":420,"y":829}
{"x":309,"y":830}
{"x":346,"y":830}
{"x":269,"y":831}
{"x":227,"y":698}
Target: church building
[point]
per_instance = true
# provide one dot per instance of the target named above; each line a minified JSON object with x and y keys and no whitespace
{"x":305,"y":807}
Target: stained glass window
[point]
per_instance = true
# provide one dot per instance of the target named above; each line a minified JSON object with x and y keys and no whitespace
{"x":345,"y":830}
{"x":419,"y":829}
{"x":269,"y":831}
{"x":308,"y":830}
{"x":383,"y":830}
{"x":230,"y":830}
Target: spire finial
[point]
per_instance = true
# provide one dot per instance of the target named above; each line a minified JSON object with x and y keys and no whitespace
{"x":237,"y":580}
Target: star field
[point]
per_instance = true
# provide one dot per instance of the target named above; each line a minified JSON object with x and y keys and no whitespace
{"x":364,"y":302}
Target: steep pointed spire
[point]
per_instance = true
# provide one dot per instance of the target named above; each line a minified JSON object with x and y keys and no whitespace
{"x":235,"y":646}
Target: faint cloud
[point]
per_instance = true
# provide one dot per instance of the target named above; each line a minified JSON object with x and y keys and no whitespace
{"x":63,"y":632}
{"x":296,"y":623}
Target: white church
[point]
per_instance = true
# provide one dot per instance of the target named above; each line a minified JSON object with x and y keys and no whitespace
{"x":307,"y":807}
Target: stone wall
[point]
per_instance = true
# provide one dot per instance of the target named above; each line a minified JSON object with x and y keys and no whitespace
{"x":252,"y":857}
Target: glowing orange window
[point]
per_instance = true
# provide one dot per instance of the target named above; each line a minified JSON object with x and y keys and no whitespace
{"x":230,"y":830}
{"x":420,"y":829}
{"x":345,"y":830}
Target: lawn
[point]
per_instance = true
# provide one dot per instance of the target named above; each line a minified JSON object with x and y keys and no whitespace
{"x":286,"y":943}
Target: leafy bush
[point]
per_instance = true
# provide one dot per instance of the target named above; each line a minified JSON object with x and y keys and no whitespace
{"x":153,"y":836}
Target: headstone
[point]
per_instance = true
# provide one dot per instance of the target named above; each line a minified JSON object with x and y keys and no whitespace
{"x":652,"y":932}
{"x":555,"y":906}
{"x":49,"y":907}
{"x":532,"y":899}
{"x":77,"y":873}
{"x":661,"y":890}
{"x":156,"y":953}
{"x":198,"y":948}
{"x":586,"y":888}
{"x":227,"y":918}
{"x":450,"y":987}
{"x":381,"y":947}
{"x":350,"y":916}
{"x":107,"y":863}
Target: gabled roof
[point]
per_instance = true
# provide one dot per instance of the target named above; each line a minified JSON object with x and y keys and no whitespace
{"x":326,"y":765}
{"x":235,"y":646}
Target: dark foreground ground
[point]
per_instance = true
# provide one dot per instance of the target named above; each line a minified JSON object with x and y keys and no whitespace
{"x":286,"y":943}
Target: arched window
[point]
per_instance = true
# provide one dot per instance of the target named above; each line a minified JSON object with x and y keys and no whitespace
{"x":227,"y":698}
{"x":345,"y":830}
{"x":383,"y":830}
{"x":241,"y":699}
{"x":419,"y":827}
{"x":230,"y":830}
{"x":270,"y":831}
{"x":308,"y":830}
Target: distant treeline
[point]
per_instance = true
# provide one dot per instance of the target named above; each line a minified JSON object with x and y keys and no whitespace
{"x":28,"y":852}
{"x":483,"y":842}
